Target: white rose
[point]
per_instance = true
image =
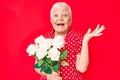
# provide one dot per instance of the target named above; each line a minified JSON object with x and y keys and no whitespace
{"x":31,"y":49}
{"x":39,"y":39}
{"x":41,"y":53}
{"x":58,"y":42}
{"x":46,"y":44}
{"x":54,"y":54}
{"x":43,"y":43}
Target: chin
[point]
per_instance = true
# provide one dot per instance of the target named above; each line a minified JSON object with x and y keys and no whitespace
{"x":59,"y":31}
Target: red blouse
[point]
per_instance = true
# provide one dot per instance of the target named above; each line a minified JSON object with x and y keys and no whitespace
{"x":73,"y":46}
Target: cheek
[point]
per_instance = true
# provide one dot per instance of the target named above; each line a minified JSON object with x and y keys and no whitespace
{"x":68,"y":22}
{"x":54,"y":20}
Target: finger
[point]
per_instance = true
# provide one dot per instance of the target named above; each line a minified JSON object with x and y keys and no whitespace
{"x":100,"y":29}
{"x":89,"y":30}
{"x":54,"y":77}
{"x":57,"y":78}
{"x":50,"y":77}
{"x":97,"y":27}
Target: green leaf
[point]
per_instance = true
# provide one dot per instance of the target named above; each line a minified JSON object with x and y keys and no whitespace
{"x":48,"y":70}
{"x":36,"y":66}
{"x":63,"y":55}
{"x":54,"y":63}
{"x":56,"y":67}
{"x":64,"y":63}
{"x":35,"y":55}
{"x":40,"y":62}
{"x":49,"y":61}
{"x":43,"y":68}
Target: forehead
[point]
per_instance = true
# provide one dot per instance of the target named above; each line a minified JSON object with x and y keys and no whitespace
{"x":61,"y":9}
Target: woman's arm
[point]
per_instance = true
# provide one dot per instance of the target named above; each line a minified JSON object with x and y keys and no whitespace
{"x":83,"y":58}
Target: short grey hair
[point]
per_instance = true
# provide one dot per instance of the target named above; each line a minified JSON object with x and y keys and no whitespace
{"x":60,"y":4}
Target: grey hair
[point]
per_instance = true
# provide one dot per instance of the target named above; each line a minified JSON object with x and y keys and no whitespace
{"x":60,"y":4}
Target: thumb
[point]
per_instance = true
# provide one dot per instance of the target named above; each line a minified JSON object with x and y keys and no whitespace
{"x":88,"y":31}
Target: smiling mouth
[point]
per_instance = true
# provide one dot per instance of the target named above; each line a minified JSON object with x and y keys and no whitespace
{"x":60,"y":24}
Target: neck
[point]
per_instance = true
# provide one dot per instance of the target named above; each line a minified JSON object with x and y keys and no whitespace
{"x":60,"y":34}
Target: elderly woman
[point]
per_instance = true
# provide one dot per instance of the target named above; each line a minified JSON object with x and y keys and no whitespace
{"x":77,"y":46}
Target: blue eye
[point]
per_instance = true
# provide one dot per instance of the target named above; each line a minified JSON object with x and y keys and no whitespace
{"x":65,"y":15}
{"x":56,"y":15}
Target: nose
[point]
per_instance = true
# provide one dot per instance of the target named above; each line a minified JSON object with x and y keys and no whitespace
{"x":60,"y":18}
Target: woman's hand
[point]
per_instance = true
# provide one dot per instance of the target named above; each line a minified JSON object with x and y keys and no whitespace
{"x":53,"y":76}
{"x":83,"y":58}
{"x":96,"y":32}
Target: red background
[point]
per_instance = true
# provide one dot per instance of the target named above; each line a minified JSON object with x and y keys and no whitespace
{"x":24,"y":20}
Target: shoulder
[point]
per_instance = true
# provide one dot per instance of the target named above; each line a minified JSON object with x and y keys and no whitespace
{"x":48,"y":35}
{"x":76,"y":35}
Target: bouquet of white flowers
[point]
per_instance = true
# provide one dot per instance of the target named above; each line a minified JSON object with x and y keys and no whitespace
{"x":47,"y":52}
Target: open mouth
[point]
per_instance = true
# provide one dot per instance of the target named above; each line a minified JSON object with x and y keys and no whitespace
{"x":60,"y":24}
